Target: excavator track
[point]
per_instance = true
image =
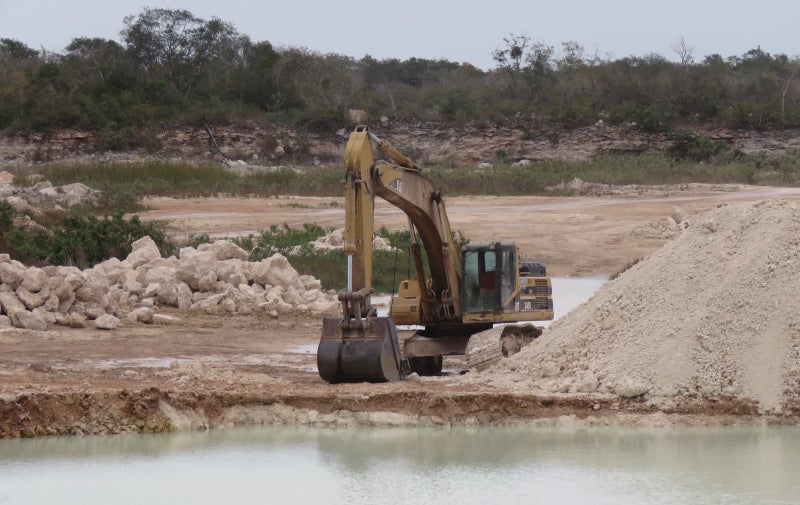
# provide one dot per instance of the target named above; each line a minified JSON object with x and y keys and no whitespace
{"x":489,"y":347}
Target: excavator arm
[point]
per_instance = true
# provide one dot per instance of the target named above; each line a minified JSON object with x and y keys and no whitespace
{"x":353,"y":345}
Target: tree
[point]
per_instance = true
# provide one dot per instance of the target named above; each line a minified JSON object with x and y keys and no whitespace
{"x":538,"y":68}
{"x":684,"y":52}
{"x":509,"y":60}
{"x":11,"y":49}
{"x":179,"y":47}
{"x":95,"y":58}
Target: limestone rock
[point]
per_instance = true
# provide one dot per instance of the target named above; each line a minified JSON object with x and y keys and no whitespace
{"x":193,"y":265}
{"x":276,"y":271}
{"x":224,"y":250}
{"x":73,"y":320}
{"x":28,"y":320}
{"x":32,"y":300}
{"x":10,"y":304}
{"x":35,"y":279}
{"x":106,"y":322}
{"x":159,"y":274}
{"x":11,"y":275}
{"x":184,"y":294}
{"x":141,"y":315}
{"x":142,"y":251}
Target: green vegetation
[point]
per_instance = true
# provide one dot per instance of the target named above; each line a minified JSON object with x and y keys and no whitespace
{"x":173,"y":67}
{"x":690,"y":158}
{"x":389,"y":267}
{"x":75,"y":239}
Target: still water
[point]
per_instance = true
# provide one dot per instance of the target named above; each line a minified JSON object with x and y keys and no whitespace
{"x":742,"y":465}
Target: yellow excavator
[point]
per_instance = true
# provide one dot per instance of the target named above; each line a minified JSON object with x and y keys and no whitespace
{"x":467,"y":289}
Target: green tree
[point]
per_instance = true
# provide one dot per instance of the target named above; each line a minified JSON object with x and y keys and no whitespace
{"x":510,"y":57}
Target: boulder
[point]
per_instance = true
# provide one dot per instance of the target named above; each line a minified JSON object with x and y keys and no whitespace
{"x":276,"y":271}
{"x":209,"y":304}
{"x":224,"y":250}
{"x":678,"y":214}
{"x":141,"y":315}
{"x":66,"y":296}
{"x":11,"y":275}
{"x":73,"y":320}
{"x":28,"y":320}
{"x":193,"y":265}
{"x":10,"y":304}
{"x":184,"y":293}
{"x":106,"y":322}
{"x":160,"y":274}
{"x":208,"y":282}
{"x":32,"y":300}
{"x":111,"y":269}
{"x":309,"y":282}
{"x":34,"y":279}
{"x":92,"y":291}
{"x":167,"y":294}
{"x":230,"y":267}
{"x":143,"y":251}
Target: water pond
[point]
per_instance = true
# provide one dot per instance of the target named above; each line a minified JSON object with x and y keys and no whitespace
{"x":733,"y":465}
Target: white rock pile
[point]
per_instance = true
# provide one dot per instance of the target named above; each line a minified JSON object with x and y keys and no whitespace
{"x":335,"y":240}
{"x":215,"y":278}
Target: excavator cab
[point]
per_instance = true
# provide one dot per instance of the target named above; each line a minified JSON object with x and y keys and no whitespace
{"x":497,"y":285}
{"x":489,"y":276}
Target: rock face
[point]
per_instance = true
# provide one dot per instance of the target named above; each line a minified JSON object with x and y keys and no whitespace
{"x":216,"y":278}
{"x":465,"y":144}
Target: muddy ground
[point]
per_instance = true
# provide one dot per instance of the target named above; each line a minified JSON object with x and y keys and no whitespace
{"x":193,"y":371}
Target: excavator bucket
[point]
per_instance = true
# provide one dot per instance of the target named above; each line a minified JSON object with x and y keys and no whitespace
{"x":366,"y":351}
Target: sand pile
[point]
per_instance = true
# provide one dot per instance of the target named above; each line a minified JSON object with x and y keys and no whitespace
{"x":713,"y":314}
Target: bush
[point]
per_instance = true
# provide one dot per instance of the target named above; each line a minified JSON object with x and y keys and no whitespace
{"x":688,"y":146}
{"x":285,"y":240}
{"x":652,"y":118}
{"x":83,"y":241}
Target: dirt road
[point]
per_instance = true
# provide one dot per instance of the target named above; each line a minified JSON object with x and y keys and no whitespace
{"x":574,"y":236}
{"x":192,"y":371}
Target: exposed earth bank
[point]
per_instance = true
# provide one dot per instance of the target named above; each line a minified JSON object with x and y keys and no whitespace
{"x":254,"y":146}
{"x":195,"y":370}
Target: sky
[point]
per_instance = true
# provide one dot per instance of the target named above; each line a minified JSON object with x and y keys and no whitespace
{"x":463,"y":31}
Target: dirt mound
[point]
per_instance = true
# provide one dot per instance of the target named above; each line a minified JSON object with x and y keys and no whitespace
{"x":713,"y":315}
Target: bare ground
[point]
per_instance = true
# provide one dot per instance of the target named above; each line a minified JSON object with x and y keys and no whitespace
{"x":199,"y":371}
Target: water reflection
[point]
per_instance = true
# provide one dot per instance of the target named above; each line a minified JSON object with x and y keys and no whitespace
{"x":392,"y":465}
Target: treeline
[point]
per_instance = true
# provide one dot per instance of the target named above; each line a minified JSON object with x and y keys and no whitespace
{"x":174,"y":67}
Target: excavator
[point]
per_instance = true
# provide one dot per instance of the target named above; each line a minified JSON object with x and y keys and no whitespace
{"x":464,"y":291}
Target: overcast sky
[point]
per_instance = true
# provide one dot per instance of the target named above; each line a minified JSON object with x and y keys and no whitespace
{"x":461,"y":31}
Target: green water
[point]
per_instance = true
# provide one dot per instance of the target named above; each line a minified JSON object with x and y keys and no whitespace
{"x":409,"y":465}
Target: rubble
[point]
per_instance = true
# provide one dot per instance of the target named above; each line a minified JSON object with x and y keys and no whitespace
{"x":215,"y":278}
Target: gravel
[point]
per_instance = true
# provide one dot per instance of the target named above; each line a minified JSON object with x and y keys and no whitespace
{"x":714,"y":314}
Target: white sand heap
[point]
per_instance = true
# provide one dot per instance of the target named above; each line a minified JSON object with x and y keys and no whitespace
{"x":713,"y":314}
{"x":214,"y":278}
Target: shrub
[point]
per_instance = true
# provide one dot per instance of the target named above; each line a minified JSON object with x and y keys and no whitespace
{"x":83,"y":241}
{"x":688,"y":146}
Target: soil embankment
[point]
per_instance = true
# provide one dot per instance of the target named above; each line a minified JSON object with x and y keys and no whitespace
{"x":195,"y":370}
